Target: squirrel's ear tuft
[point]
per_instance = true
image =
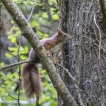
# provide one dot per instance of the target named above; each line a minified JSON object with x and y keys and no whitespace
{"x":59,"y":31}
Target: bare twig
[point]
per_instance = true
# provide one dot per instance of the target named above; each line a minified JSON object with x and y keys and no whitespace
{"x":14,"y":64}
{"x":75,"y":83}
{"x":46,"y":26}
{"x":18,"y":54}
{"x":53,"y":5}
{"x":99,"y":36}
{"x":47,"y":7}
{"x":12,"y":97}
{"x":99,"y":57}
{"x":11,"y":54}
{"x":73,"y":79}
{"x":31,"y":13}
{"x":95,"y":43}
{"x":19,"y":69}
{"x":32,"y":10}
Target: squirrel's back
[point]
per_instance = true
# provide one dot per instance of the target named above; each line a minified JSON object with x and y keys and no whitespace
{"x":31,"y":80}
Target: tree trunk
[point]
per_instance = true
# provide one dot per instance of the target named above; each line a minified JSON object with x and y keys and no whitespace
{"x":85,"y":55}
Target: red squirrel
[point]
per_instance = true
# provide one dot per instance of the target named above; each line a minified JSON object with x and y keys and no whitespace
{"x":31,"y":80}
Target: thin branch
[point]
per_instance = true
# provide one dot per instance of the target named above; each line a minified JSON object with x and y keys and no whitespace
{"x":46,"y":26}
{"x":11,"y":54}
{"x":75,"y":83}
{"x":14,"y":64}
{"x":95,"y":43}
{"x":100,"y":36}
{"x":31,"y":13}
{"x":12,"y":97}
{"x":32,"y":10}
{"x":53,"y":5}
{"x":18,"y":54}
{"x":99,"y":57}
{"x":47,"y":7}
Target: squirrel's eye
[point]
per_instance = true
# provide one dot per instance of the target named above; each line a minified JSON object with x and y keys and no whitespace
{"x":64,"y":36}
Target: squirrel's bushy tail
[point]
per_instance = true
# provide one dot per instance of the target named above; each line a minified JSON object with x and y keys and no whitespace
{"x":31,"y":81}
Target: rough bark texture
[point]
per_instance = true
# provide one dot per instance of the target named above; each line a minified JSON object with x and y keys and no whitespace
{"x":84,"y":56}
{"x":29,"y":34}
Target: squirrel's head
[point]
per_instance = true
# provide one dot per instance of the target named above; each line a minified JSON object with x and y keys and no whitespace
{"x":62,"y":36}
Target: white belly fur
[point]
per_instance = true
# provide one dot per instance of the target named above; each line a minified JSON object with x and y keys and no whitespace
{"x":55,"y":49}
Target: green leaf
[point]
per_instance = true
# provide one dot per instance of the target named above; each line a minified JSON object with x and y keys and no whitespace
{"x":45,"y":15}
{"x":16,"y":75}
{"x":55,"y":17}
{"x":12,"y":21}
{"x":13,"y":40}
{"x":12,"y":48}
{"x":8,"y":55}
{"x":23,"y":57}
{"x":10,"y":36}
{"x":2,"y":64}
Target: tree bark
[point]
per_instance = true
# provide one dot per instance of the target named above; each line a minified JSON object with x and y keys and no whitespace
{"x":85,"y":55}
{"x":29,"y":34}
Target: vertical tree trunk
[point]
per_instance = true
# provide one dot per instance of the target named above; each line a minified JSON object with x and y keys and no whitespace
{"x":85,"y":55}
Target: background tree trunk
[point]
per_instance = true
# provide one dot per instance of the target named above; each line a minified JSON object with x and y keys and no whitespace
{"x":85,"y":55}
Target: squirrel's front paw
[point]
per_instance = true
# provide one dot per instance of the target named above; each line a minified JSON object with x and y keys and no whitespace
{"x":49,"y":54}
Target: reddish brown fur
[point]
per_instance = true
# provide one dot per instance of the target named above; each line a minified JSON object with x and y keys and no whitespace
{"x":31,"y":80}
{"x":30,"y":74}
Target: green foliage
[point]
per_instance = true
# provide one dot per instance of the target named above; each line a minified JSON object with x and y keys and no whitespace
{"x":10,"y":78}
{"x":8,"y":83}
{"x":49,"y":93}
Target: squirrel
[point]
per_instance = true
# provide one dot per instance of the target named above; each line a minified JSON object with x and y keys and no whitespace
{"x":31,"y":80}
